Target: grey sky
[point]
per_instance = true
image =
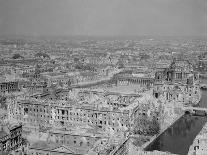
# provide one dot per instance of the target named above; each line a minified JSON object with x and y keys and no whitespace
{"x":103,"y":17}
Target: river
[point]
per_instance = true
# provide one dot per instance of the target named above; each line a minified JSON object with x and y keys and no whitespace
{"x":178,"y":138}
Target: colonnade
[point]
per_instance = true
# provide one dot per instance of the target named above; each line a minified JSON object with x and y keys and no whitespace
{"x":130,"y":81}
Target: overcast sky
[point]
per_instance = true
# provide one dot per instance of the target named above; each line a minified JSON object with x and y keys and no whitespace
{"x":103,"y":17}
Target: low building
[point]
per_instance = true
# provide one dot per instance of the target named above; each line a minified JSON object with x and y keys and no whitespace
{"x":12,"y":86}
{"x":79,"y":138}
{"x":10,"y":137}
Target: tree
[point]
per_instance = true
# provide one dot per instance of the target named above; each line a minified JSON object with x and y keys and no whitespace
{"x":146,"y":126}
{"x":3,"y":102}
{"x":154,"y":127}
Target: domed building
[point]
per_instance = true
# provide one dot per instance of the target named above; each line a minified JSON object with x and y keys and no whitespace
{"x":180,"y":71}
{"x":179,"y":74}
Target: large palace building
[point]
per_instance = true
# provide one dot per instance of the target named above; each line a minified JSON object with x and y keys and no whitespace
{"x":178,"y":82}
{"x":34,"y":114}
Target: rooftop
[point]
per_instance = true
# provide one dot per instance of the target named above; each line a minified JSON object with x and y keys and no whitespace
{"x":130,"y":89}
{"x":54,"y":147}
{"x":3,"y":134}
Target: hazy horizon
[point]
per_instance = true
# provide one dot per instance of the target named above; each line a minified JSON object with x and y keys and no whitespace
{"x":103,"y":18}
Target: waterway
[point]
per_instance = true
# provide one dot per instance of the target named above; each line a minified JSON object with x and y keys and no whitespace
{"x":178,"y":138}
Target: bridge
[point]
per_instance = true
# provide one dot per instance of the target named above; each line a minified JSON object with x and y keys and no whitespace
{"x":195,"y":109}
{"x":204,"y":76}
{"x":204,"y":86}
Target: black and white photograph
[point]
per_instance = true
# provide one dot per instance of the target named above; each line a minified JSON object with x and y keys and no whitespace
{"x":103,"y":77}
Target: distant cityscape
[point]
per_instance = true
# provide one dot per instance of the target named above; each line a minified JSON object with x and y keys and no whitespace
{"x":103,"y":96}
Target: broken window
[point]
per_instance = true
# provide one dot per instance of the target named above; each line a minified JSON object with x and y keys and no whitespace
{"x":26,"y":110}
{"x":62,"y":123}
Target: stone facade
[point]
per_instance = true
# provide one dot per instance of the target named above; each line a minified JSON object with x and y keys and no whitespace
{"x":177,"y":83}
{"x":10,"y":137}
{"x":12,"y":86}
{"x":131,"y":79}
{"x":68,"y":138}
{"x":63,"y":115}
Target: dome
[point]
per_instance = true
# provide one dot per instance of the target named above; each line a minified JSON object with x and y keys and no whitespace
{"x":181,"y":65}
